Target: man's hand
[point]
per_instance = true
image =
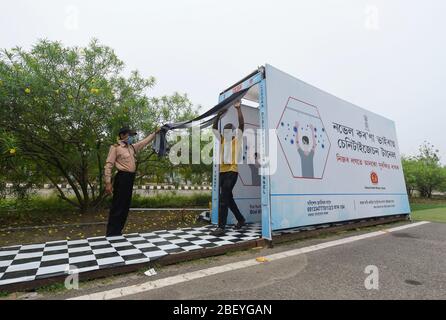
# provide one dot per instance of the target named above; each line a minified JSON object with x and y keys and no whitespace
{"x":241,"y":121}
{"x":221,"y":113}
{"x":108,"y":188}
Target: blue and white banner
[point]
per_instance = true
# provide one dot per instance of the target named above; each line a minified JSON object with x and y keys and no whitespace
{"x":335,"y":161}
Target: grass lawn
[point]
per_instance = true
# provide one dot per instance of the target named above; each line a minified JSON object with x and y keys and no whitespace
{"x":434,"y":215}
{"x":428,"y":209}
{"x":425,"y":206}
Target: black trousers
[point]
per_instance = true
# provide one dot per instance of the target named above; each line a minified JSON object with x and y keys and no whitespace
{"x":122,"y":198}
{"x":227,"y":183}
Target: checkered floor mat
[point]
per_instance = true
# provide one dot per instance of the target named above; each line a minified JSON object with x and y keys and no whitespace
{"x":36,"y":261}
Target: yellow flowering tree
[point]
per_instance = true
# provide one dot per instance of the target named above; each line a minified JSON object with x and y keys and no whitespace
{"x":64,"y":105}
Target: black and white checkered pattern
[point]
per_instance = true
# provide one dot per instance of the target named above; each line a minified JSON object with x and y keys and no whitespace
{"x":36,"y":261}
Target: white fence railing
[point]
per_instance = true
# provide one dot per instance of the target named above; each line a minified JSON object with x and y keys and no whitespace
{"x":136,"y":187}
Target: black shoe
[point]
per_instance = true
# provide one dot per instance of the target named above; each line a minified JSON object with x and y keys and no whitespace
{"x":240,"y":225}
{"x":218,"y":232}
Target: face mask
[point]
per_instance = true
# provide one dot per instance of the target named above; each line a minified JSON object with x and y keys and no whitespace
{"x":131,"y":140}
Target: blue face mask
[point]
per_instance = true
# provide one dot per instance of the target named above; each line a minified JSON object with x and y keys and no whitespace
{"x":131,"y":140}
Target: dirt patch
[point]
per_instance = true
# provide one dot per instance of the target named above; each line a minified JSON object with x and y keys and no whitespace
{"x":63,"y":225}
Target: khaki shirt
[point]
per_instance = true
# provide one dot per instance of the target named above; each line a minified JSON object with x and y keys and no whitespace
{"x":122,"y":156}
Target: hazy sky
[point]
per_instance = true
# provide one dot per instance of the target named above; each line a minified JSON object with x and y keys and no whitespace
{"x":386,"y":56}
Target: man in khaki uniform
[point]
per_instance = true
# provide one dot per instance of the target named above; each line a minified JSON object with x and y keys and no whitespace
{"x":122,"y":156}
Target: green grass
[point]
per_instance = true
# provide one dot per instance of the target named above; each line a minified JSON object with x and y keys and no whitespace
{"x":55,"y":204}
{"x":52,"y":288}
{"x":172,"y":201}
{"x":428,"y":210}
{"x":434,"y":215}
{"x":35,"y":203}
{"x":3,"y":294}
{"x":425,"y":206}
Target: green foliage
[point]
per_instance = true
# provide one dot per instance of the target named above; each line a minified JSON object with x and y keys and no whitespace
{"x":197,"y":173}
{"x":19,"y":173}
{"x":35,"y":203}
{"x":56,"y":204}
{"x":435,"y":215}
{"x":424,"y":172}
{"x":426,"y":206}
{"x":52,"y":288}
{"x":200,"y":200}
{"x":410,"y":168}
{"x":61,"y":108}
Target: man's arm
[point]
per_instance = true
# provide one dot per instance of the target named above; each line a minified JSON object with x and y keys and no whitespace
{"x":215,"y":124}
{"x":241,"y":120}
{"x":109,"y":164}
{"x":144,"y":142}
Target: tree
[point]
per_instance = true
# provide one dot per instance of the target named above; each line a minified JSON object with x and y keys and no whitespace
{"x":410,"y":168}
{"x":62,"y":107}
{"x":442,"y":186}
{"x":428,"y":173}
{"x":21,"y":174}
{"x":192,"y":172}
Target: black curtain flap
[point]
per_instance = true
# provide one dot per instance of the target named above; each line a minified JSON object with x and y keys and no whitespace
{"x":160,"y":145}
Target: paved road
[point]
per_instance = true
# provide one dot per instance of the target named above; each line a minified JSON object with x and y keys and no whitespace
{"x":411,"y":265}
